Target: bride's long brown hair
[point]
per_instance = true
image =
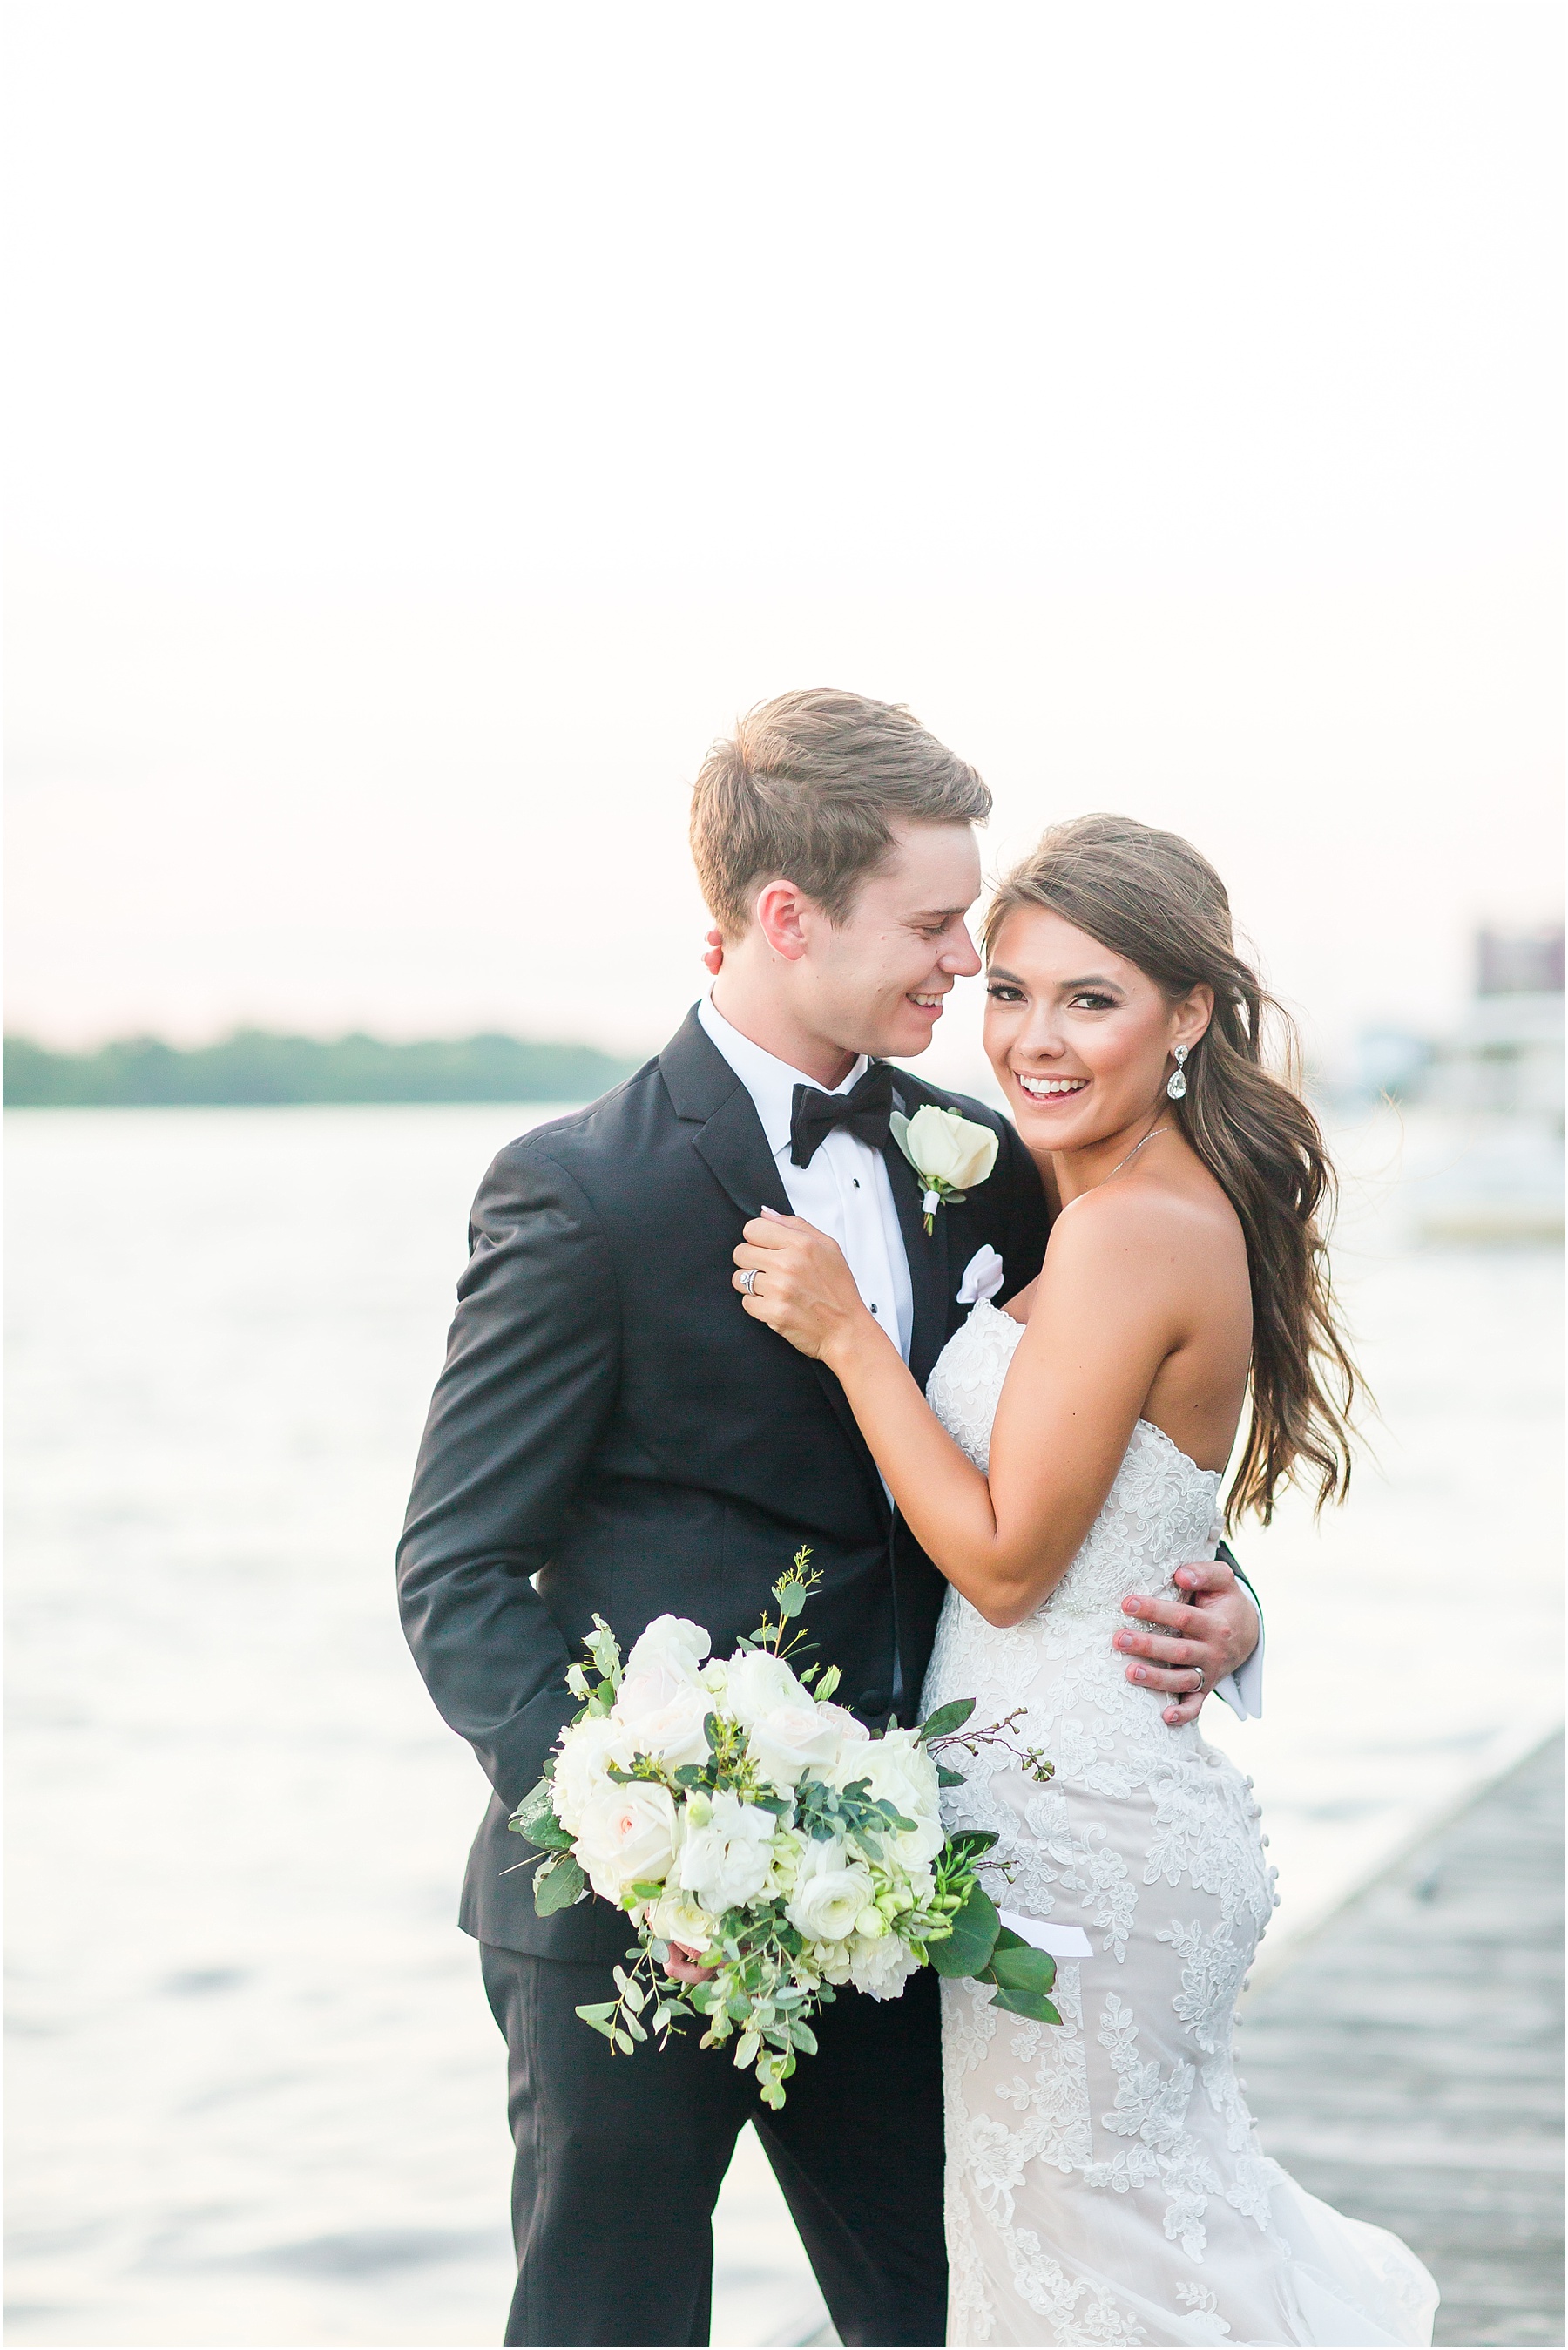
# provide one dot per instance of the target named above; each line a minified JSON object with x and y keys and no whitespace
{"x":1150,"y":897}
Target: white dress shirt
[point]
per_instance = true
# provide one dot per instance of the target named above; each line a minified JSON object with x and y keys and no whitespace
{"x":845,"y":1192}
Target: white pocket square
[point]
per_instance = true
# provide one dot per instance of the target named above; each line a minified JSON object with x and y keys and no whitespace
{"x":983,"y":1277}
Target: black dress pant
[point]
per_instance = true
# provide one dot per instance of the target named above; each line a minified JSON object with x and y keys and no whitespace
{"x":621,"y":2159}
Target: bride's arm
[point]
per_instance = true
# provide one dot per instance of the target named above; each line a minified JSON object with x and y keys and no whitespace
{"x":1106,"y":1313}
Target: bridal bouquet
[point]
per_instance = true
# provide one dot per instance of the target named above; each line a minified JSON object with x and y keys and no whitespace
{"x":730,"y":1806}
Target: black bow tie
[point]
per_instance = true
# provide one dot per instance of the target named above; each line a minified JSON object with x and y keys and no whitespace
{"x":864,"y":1109}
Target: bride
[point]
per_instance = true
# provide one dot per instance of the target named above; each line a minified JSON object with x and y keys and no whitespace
{"x":1105,"y":2181}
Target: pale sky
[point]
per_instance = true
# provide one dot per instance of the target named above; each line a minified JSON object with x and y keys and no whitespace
{"x":431,"y":425}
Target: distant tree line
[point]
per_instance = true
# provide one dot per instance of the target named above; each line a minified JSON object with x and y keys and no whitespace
{"x":255,"y":1066}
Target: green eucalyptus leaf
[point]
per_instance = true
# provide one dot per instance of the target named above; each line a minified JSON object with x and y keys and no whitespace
{"x":1032,"y":2003}
{"x":1022,"y":1969}
{"x":966,"y":1950}
{"x":558,"y":1886}
{"x":946,"y":1778}
{"x":947,"y":1719}
{"x":535,"y":1818}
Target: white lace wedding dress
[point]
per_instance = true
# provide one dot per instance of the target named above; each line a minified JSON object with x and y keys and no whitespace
{"x":1104,"y":2183}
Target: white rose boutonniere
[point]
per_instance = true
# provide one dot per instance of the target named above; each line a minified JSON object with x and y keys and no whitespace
{"x":949,"y":1152}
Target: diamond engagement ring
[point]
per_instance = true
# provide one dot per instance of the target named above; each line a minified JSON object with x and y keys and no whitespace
{"x":748,"y":1282}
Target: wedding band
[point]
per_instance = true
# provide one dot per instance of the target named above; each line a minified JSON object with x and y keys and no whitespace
{"x":1198,"y":1669}
{"x":748,"y":1282}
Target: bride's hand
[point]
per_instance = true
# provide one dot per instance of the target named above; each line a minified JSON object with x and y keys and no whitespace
{"x":800,"y":1284}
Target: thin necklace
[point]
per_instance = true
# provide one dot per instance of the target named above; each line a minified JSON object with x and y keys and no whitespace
{"x":1135,"y":1149}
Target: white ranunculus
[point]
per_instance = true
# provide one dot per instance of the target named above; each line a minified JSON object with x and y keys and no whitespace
{"x":663,"y":1661}
{"x":629,"y":1836}
{"x":791,"y":1739}
{"x":830,"y":1892}
{"x":678,"y":1918}
{"x":586,"y":1750}
{"x":830,"y":1961}
{"x":950,"y":1147}
{"x":713,"y":1675}
{"x":672,"y":1733}
{"x":788,"y":1845}
{"x":900,"y":1770}
{"x":757,"y":1682}
{"x":725,"y":1861}
{"x":883,"y":1967}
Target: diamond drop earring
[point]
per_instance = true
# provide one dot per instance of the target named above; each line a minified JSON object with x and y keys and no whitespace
{"x":1177,"y":1086}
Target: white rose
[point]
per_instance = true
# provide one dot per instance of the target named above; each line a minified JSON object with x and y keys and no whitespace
{"x":756,"y":1683}
{"x":944,"y":1144}
{"x":843,"y":1722}
{"x":901,"y":1773}
{"x":883,"y":1967}
{"x":663,"y":1661}
{"x":672,"y":1733}
{"x":791,"y":1739}
{"x":628,"y":1837}
{"x":829,"y":1893}
{"x":678,"y":1918}
{"x":726,"y":1860}
{"x":586,"y":1750}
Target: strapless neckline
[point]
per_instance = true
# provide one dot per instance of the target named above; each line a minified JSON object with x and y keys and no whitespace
{"x":1014,"y":1324}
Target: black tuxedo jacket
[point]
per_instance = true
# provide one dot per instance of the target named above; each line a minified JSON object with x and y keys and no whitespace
{"x":613,"y":1435}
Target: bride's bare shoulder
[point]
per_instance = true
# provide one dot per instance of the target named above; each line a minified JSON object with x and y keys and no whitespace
{"x":1183,"y":1220}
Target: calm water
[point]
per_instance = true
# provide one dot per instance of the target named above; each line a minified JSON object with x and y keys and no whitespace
{"x":256,"y":2095}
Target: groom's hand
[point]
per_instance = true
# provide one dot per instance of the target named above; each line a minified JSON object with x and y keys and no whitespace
{"x":1194,"y":1640}
{"x":682,"y":1964}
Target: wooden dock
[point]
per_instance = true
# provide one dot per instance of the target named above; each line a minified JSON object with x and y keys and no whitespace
{"x":1407,"y":2065}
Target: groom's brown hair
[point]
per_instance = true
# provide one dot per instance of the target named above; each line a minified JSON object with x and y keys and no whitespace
{"x":804,"y":790}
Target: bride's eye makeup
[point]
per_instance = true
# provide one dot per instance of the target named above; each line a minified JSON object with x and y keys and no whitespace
{"x":1002,"y":991}
{"x":1092,"y":999}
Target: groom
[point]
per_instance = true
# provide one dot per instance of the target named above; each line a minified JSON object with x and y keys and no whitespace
{"x":612,"y":1434}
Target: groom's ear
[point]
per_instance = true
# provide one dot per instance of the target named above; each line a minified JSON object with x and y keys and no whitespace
{"x":784,"y":914}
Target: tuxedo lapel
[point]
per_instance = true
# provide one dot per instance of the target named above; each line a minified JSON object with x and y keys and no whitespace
{"x":730,"y":1142}
{"x":928,"y":1256}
